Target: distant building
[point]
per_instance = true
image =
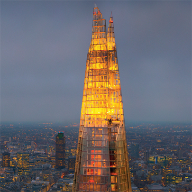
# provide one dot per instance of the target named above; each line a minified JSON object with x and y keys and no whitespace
{"x":23,"y":163}
{"x":73,"y":152}
{"x":162,"y":160}
{"x":179,"y":153}
{"x":155,"y":187}
{"x":134,"y":188}
{"x":172,"y":179}
{"x":66,"y":163}
{"x":134,"y":150}
{"x":6,"y":159}
{"x":60,"y":151}
{"x":146,"y":156}
{"x":71,"y":163}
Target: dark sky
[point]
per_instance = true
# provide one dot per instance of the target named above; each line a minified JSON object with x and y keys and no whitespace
{"x":44,"y":46}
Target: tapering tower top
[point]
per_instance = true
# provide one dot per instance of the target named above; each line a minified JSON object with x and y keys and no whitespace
{"x":111,"y":18}
{"x":111,"y":21}
{"x":98,"y":30}
{"x":111,"y":35}
{"x":96,"y":13}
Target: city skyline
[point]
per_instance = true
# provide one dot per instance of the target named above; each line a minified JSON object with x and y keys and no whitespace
{"x":163,"y":149}
{"x":41,"y":80}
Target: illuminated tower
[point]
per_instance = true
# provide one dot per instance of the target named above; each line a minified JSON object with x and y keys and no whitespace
{"x":23,"y":163}
{"x":102,"y":160}
{"x":6,"y":159}
{"x":60,"y":151}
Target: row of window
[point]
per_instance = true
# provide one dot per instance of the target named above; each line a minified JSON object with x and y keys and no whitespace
{"x":97,"y":72}
{"x":98,"y":47}
{"x":97,"y":53}
{"x":98,"y":28}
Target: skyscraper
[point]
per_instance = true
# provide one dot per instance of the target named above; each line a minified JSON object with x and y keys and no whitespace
{"x":146,"y":156}
{"x":134,"y":150}
{"x":23,"y":163}
{"x":102,"y":160}
{"x":6,"y":159}
{"x":60,"y":151}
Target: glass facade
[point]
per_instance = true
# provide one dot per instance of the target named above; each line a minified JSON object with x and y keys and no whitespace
{"x":60,"y":151}
{"x":102,"y":159}
{"x":23,"y":163}
{"x":6,"y":159}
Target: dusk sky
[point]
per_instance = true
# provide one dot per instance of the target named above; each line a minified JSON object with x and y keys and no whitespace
{"x":44,"y":47}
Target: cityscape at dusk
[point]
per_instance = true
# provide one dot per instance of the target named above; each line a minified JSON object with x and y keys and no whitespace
{"x":160,"y":156}
{"x":95,"y":96}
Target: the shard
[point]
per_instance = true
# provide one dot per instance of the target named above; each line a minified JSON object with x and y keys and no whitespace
{"x":102,"y":162}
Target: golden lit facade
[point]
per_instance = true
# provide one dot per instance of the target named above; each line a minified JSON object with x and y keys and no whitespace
{"x":6,"y":159}
{"x":102,"y":160}
{"x":23,"y":163}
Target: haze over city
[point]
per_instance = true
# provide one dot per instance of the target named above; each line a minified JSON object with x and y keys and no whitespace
{"x":43,"y":57}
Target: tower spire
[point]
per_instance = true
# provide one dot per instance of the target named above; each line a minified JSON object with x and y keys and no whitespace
{"x":111,"y":18}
